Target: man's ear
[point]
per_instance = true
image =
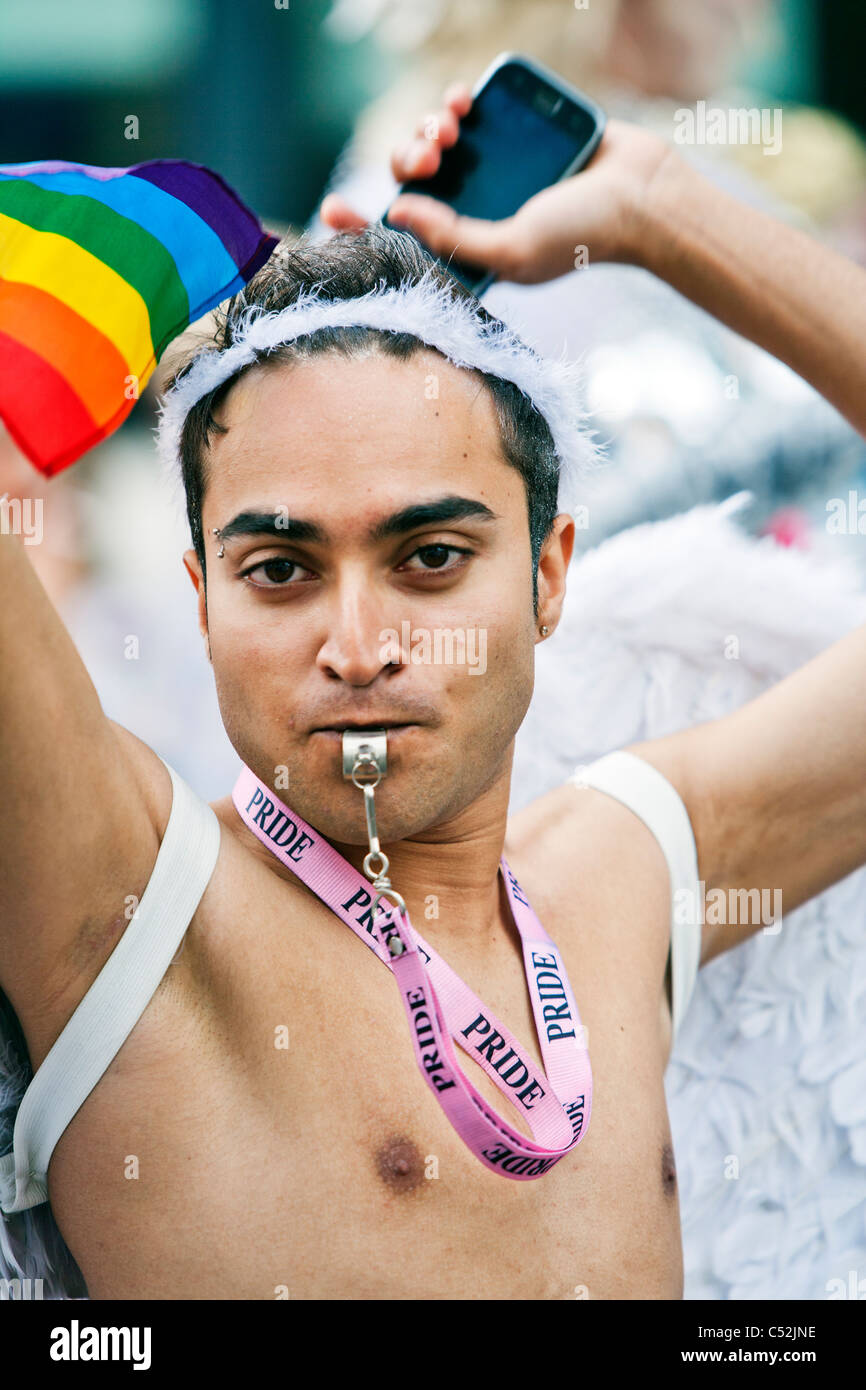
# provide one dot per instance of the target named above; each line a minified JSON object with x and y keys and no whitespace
{"x":194,"y":570}
{"x":553,"y":565}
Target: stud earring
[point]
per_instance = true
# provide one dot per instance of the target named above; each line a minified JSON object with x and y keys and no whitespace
{"x":544,"y":631}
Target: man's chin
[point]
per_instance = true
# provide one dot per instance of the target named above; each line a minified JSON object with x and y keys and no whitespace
{"x":343,"y":819}
{"x":334,"y":806}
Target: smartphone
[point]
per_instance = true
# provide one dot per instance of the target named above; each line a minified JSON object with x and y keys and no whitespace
{"x":526,"y":129}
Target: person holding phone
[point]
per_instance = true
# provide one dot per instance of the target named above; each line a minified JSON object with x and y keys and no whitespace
{"x":668,"y":450}
{"x":639,"y":203}
{"x":524,"y":129}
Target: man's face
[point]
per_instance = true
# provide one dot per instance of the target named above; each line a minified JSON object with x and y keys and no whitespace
{"x":351,"y":626}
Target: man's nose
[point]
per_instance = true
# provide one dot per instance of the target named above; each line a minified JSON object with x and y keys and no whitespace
{"x":362,"y":635}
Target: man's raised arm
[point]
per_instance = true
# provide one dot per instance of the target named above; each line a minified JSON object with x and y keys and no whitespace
{"x":770,"y":282}
{"x":777,"y":790}
{"x":78,"y":826}
{"x":640,"y":203}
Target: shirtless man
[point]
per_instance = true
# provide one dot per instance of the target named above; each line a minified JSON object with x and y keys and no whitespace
{"x":326,"y":1169}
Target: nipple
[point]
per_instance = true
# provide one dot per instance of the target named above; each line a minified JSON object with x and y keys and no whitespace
{"x":669,"y":1171}
{"x":400,"y":1165}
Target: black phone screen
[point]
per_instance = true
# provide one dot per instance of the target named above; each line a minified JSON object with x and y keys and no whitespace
{"x":519,"y":136}
{"x":510,"y":146}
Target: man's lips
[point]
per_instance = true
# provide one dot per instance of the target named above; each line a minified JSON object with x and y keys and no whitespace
{"x":391,"y":729}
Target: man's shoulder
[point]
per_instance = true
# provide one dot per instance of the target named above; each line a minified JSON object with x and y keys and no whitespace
{"x":553,"y":816}
{"x":140,"y":802}
{"x":151,"y":774}
{"x":578,"y":834}
{"x":601,"y":882}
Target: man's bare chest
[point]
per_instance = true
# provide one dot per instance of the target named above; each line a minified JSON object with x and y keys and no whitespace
{"x":269,"y":1102}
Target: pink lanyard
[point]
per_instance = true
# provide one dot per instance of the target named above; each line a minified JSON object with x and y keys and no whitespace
{"x":557,"y":1104}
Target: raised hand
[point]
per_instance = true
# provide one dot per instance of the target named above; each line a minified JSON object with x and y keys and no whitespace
{"x":595,"y":215}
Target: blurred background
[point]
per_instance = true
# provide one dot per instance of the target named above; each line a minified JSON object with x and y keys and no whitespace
{"x":289,"y":100}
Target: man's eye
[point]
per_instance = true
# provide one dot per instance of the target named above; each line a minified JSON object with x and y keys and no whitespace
{"x":436,"y":556}
{"x":277,"y":571}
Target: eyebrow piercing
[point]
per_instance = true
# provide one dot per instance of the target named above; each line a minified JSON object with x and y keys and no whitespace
{"x":222,"y":550}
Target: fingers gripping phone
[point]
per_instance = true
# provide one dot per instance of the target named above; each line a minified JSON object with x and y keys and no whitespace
{"x":526,"y":129}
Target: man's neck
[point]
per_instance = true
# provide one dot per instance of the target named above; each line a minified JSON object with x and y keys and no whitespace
{"x":448,"y":874}
{"x":448,"y":877}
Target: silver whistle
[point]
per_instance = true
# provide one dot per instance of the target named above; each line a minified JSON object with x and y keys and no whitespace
{"x":365,"y":763}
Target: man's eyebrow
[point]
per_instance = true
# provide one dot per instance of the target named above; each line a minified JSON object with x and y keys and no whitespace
{"x":270,"y":524}
{"x":290,"y":528}
{"x":430,"y":514}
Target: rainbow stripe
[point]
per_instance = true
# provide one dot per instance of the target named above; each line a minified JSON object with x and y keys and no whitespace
{"x":99,"y":269}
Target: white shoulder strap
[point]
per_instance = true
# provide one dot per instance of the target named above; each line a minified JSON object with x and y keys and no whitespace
{"x":117,"y":998}
{"x":650,"y":795}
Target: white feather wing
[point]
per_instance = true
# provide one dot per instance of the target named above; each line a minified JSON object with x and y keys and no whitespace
{"x":767,"y":1080}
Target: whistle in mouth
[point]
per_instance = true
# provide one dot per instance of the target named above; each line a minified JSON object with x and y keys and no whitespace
{"x":365,"y":763}
{"x":365,"y":755}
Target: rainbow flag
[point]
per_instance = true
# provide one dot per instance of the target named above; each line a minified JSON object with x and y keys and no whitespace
{"x":99,"y":269}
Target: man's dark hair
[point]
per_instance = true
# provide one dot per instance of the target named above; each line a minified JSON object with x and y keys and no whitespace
{"x":344,"y":267}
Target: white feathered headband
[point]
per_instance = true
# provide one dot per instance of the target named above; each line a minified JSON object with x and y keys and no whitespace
{"x":428,"y":310}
